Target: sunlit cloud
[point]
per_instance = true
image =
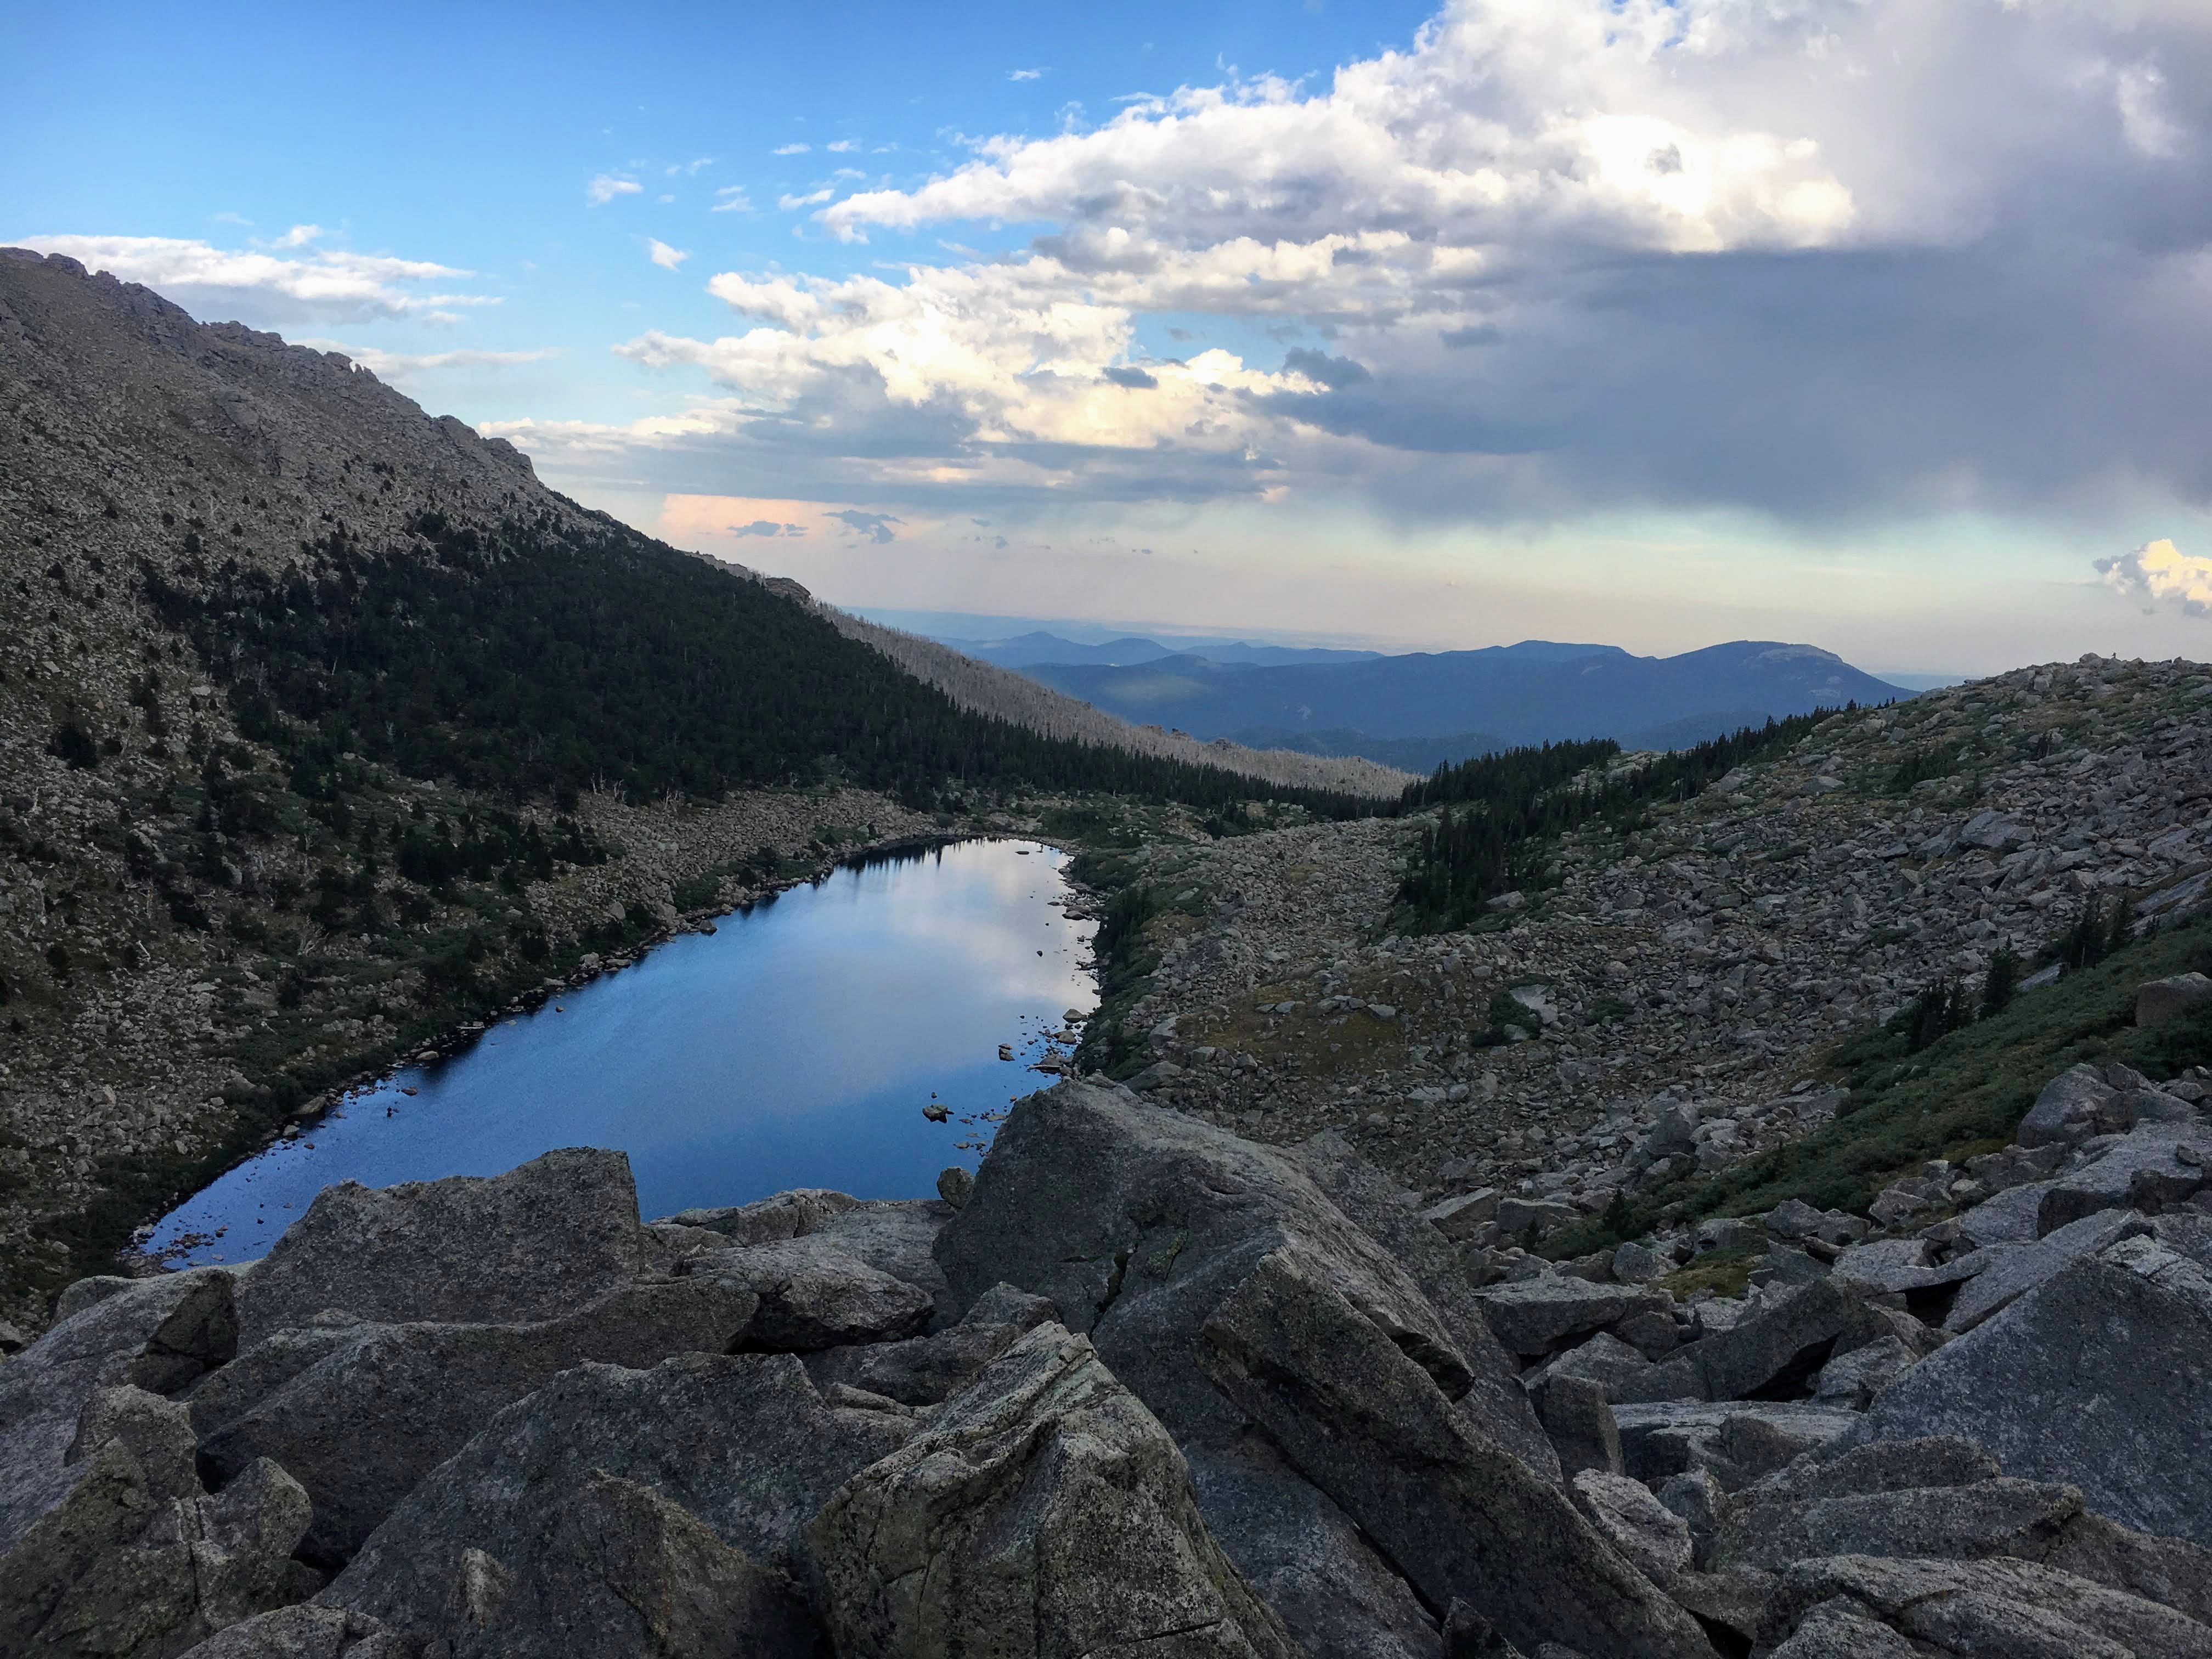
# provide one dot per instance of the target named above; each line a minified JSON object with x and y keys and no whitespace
{"x":2160,"y":574}
{"x":667,"y":258}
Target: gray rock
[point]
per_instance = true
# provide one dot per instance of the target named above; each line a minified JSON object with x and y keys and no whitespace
{"x":88,"y":1511}
{"x":1636,"y":1523}
{"x":2095,"y":1378}
{"x":620,"y":1569}
{"x":1137,"y":1223}
{"x":1737,"y":1440}
{"x":2007,"y":1218}
{"x":2073,"y":1105}
{"x":1575,"y":1413}
{"x":2145,"y":1169}
{"x":2013,"y":1270}
{"x":201,"y":1564}
{"x":897,"y":1236}
{"x":1654,"y":1335}
{"x":1895,"y":1265}
{"x":64,"y":1500}
{"x":814,"y":1293}
{"x":771,"y":1221}
{"x":1463,"y":1217}
{"x":1605,"y":1360}
{"x":1517,"y":1217}
{"x":2159,"y":1000}
{"x":1997,"y":1517}
{"x":1998,"y":1606}
{"x":741,"y":1442}
{"x":1880,"y":1466}
{"x":534,"y":1243}
{"x":1045,"y":1500}
{"x":1639,"y":1264}
{"x":1842,"y":1629}
{"x":376,"y":1407}
{"x":1795,"y":1219}
{"x":1538,"y":1316}
{"x":1786,"y":1268}
{"x":1365,"y":1197}
{"x":1853,"y":1380}
{"x":1791,"y":1337}
{"x":929,"y":1370}
{"x":304,"y":1631}
{"x":954,"y":1183}
{"x":156,"y":1431}
{"x":1459,"y":1517}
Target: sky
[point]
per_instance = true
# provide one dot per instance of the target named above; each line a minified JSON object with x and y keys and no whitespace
{"x":1881,"y":324}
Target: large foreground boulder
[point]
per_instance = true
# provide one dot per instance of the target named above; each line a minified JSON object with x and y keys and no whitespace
{"x":1462,"y":1518}
{"x":1995,"y":1607}
{"x":84,"y":1471}
{"x":537,"y":1242}
{"x":1045,"y":1512}
{"x":1138,"y":1223}
{"x":359,"y":1414}
{"x":2097,"y":1378}
{"x":742,"y":1443}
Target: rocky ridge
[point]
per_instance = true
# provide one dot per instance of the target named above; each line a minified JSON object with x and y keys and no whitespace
{"x":1666,"y":1003}
{"x":1146,"y":1386}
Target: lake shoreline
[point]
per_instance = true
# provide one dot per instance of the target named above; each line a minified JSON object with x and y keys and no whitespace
{"x":425,"y":1061}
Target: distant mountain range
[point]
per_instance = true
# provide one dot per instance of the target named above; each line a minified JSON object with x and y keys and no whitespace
{"x":1420,"y":710}
{"x":1037,"y":648}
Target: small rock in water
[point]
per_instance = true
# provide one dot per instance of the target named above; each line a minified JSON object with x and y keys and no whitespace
{"x":935,"y":1113}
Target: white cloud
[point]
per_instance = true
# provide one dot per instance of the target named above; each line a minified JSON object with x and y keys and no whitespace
{"x":605,"y":187}
{"x":842,"y":146}
{"x":1024,"y":73}
{"x":667,"y":258}
{"x":2158,"y":574}
{"x":299,"y":236}
{"x":1555,"y":251}
{"x":734,"y":200}
{"x":323,"y":285}
{"x":791,"y":149}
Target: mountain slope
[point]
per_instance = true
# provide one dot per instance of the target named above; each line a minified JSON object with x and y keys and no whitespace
{"x":1010,"y":695}
{"x":1536,"y":692}
{"x":1025,"y":650}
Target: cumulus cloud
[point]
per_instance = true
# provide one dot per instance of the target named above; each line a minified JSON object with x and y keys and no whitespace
{"x":667,"y":258}
{"x":1024,"y":74}
{"x":770,"y":527}
{"x":842,"y":146}
{"x":791,"y":149}
{"x":2158,"y":574}
{"x":605,"y":187}
{"x":1828,"y":258}
{"x":320,"y":285}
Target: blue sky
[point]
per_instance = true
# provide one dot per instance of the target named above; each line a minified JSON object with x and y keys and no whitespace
{"x":1856,"y":321}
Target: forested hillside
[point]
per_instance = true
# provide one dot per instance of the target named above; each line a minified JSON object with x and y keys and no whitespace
{"x":325,"y":727}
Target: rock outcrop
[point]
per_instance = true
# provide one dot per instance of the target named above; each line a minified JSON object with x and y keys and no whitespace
{"x":1150,"y":1389}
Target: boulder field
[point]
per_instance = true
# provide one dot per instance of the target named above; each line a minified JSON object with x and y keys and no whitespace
{"x":1150,"y":1389}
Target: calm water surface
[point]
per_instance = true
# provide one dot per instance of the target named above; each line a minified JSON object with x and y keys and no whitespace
{"x":796,"y":1046}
